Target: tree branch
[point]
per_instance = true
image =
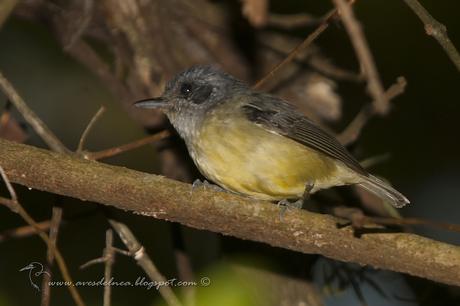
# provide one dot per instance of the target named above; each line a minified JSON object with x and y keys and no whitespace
{"x":109,"y":255}
{"x":16,"y":207}
{"x":24,"y":231}
{"x":374,"y":85}
{"x":139,"y":254}
{"x":82,"y":142}
{"x":127,"y":147}
{"x":52,"y":244}
{"x":437,"y":30}
{"x":304,"y":44}
{"x":351,"y":133}
{"x":158,"y":197}
{"x":37,"y":124}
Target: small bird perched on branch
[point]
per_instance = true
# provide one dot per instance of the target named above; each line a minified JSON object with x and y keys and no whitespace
{"x":256,"y":144}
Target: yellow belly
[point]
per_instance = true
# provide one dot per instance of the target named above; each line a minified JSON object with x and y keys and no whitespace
{"x":247,"y":159}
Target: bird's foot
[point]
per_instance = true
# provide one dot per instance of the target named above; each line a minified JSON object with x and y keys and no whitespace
{"x":206,"y":185}
{"x":286,"y":205}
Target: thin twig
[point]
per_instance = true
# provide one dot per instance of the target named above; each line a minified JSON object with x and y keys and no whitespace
{"x":290,"y":21}
{"x":415,"y":221}
{"x":28,"y":230}
{"x":143,"y":259}
{"x":53,"y":234}
{"x":109,"y":254}
{"x":88,"y":128}
{"x":364,"y":54}
{"x":12,"y":192}
{"x":23,"y":231}
{"x":437,"y":30}
{"x":29,"y":220}
{"x":353,"y":130}
{"x":317,"y":61}
{"x":351,"y":133}
{"x":329,"y":69}
{"x":83,"y":53}
{"x":359,"y":220}
{"x":92,"y":262}
{"x":374,"y":160}
{"x":185,"y":272}
{"x":307,"y":42}
{"x":54,"y":143}
{"x":37,"y":124}
{"x":126,"y":147}
{"x":83,"y":23}
{"x":115,"y":150}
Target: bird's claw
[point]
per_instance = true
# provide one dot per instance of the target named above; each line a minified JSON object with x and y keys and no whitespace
{"x":205,"y":185}
{"x":286,"y":205}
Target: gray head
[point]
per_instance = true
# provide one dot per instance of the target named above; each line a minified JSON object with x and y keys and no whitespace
{"x":192,"y":93}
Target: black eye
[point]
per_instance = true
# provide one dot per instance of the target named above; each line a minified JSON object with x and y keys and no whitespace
{"x":186,"y":89}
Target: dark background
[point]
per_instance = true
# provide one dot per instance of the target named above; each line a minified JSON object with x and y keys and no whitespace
{"x":420,"y":136}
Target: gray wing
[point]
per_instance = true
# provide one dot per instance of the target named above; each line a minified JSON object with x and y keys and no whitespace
{"x":279,"y":116}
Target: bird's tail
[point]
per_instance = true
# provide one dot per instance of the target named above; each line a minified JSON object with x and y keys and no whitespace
{"x":384,"y":191}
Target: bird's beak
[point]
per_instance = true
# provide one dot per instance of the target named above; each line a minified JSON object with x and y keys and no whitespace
{"x":158,"y":102}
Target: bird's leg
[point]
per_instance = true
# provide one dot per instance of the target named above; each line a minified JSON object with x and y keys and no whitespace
{"x":286,"y":204}
{"x":307,"y":192}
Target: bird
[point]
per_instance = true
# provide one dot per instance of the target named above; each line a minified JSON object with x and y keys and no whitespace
{"x":256,"y":144}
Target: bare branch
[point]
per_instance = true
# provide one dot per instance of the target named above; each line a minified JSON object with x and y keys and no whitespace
{"x":83,"y":53}
{"x":23,"y":231}
{"x":185,"y":272}
{"x":109,"y":259}
{"x":37,"y":124}
{"x":92,"y":262}
{"x":229,"y":214}
{"x":17,"y":207}
{"x":359,"y":220}
{"x":10,"y":188}
{"x":82,"y":23}
{"x":437,"y":30}
{"x":143,"y":259}
{"x":353,"y":130}
{"x":363,"y":52}
{"x":292,"y":20}
{"x":54,"y":229}
{"x":88,"y":128}
{"x":109,"y":254}
{"x":126,"y":147}
{"x":307,"y":42}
